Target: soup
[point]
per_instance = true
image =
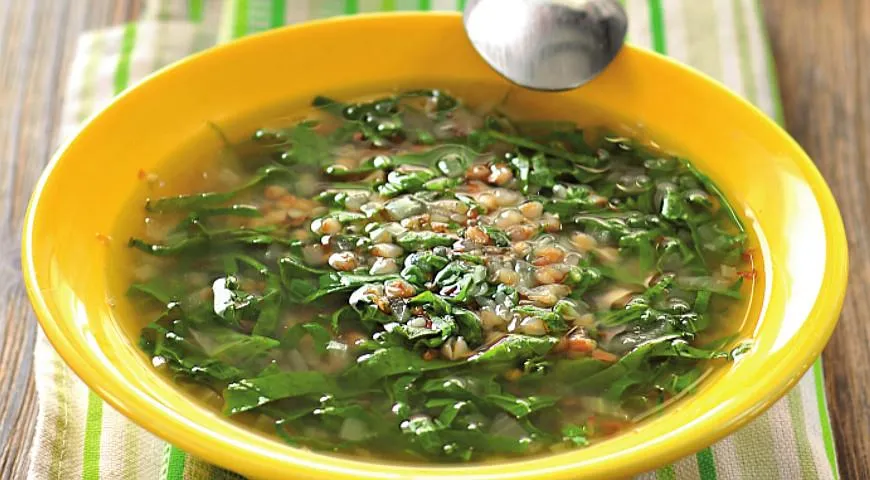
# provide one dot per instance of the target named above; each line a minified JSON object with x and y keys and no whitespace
{"x":405,"y":278}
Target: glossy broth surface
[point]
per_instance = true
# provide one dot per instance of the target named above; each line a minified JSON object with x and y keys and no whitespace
{"x":409,"y":278}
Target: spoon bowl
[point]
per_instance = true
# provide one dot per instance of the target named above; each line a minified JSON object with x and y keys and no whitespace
{"x":546,"y":44}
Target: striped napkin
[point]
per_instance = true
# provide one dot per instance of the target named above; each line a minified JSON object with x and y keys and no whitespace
{"x":78,"y":436}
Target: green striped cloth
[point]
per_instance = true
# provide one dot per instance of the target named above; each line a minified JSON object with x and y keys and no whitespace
{"x":78,"y":436}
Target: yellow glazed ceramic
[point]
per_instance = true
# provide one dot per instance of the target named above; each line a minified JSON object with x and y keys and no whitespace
{"x":89,"y":185}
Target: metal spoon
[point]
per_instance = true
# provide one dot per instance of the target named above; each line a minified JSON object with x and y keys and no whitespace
{"x":546,"y":44}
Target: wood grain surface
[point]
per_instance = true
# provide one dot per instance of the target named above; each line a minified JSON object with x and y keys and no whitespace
{"x":37,"y":44}
{"x":822,"y":50}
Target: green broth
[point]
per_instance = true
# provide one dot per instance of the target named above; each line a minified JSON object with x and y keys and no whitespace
{"x":404,"y":278}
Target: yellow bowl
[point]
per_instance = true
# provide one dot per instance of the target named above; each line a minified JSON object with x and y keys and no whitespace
{"x":88,"y":187}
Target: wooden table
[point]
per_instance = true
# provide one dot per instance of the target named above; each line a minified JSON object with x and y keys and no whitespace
{"x":822,"y":50}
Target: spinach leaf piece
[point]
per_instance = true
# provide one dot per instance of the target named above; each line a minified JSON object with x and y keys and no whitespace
{"x":421,"y":266}
{"x":521,"y":406}
{"x":451,"y":160}
{"x":388,"y":362}
{"x":635,"y":367}
{"x":554,"y":322}
{"x":306,"y":146}
{"x":230,"y":345}
{"x":498,"y":237}
{"x":441,"y":329}
{"x":515,"y":347}
{"x":577,"y":370}
{"x":336,"y":282}
{"x":424,"y":240}
{"x":184,"y":357}
{"x":201,"y":244}
{"x":197,"y":201}
{"x":249,"y":393}
{"x":460,"y":280}
{"x":318,"y":333}
{"x":470,"y":326}
{"x":159,"y":289}
{"x":581,"y":161}
{"x":575,"y":435}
